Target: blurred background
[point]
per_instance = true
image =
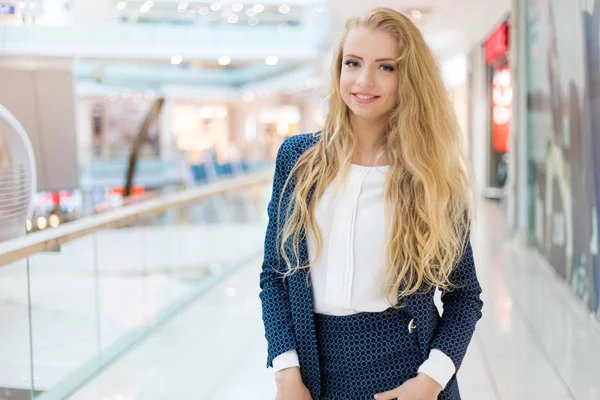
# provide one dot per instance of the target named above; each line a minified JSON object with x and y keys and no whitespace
{"x":137,"y":141}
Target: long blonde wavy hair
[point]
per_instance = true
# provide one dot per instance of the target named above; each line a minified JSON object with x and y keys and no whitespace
{"x":427,"y":185}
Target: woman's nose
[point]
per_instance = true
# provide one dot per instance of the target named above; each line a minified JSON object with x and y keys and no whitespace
{"x":365,"y":79}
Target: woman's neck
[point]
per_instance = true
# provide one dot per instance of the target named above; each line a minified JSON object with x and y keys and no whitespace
{"x":370,"y":136}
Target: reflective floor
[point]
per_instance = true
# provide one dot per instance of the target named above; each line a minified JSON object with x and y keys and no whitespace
{"x":534,"y":341}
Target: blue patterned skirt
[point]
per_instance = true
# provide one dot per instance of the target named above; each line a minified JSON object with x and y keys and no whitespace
{"x":364,"y":354}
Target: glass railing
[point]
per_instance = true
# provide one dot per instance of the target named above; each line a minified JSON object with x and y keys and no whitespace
{"x":76,"y":298}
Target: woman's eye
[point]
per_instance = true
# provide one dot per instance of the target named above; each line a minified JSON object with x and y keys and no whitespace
{"x":387,"y":68}
{"x":351,"y":64}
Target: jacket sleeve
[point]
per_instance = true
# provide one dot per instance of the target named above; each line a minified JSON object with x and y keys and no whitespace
{"x":276,"y":311}
{"x":462,"y":309}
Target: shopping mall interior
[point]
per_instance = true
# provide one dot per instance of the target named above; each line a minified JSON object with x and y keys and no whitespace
{"x":138,"y":141}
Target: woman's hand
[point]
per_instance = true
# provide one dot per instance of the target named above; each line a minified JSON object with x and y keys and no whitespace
{"x":422,"y":387}
{"x":290,"y":385}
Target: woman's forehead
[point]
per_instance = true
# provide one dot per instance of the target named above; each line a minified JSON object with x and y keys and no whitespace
{"x":371,"y":43}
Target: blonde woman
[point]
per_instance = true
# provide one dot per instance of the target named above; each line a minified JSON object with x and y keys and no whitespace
{"x":366,"y":219}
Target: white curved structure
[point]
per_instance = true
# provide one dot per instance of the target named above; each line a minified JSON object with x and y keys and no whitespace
{"x":17,"y":176}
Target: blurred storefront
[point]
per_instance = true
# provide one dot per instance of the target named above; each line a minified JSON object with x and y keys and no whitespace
{"x":533,"y":87}
{"x":563,"y":126}
{"x":278,"y":123}
{"x":500,"y":86}
{"x":490,"y":104}
{"x":114,"y":123}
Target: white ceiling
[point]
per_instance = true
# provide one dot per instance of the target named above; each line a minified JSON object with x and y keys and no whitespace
{"x":199,"y":12}
{"x":450,"y":26}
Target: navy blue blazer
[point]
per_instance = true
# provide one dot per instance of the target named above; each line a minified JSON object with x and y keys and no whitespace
{"x":287,"y":305}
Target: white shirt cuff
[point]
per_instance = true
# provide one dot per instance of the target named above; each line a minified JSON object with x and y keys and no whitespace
{"x":439,"y":367}
{"x":286,"y":360}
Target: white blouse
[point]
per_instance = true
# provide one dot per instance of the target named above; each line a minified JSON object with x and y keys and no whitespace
{"x":346,"y":277}
{"x":354,"y":235}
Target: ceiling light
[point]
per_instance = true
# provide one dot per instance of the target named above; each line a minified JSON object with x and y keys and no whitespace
{"x":259,"y":8}
{"x":253,"y":21}
{"x":237,"y":7}
{"x":121,"y":5}
{"x":284,"y":9}
{"x":29,"y":225}
{"x":318,"y":10}
{"x":416,"y":14}
{"x":224,"y":60}
{"x":203,"y":10}
{"x":42,"y":223}
{"x":176,"y":59}
{"x":182,"y":6}
{"x":232,"y":19}
{"x":272,"y":60}
{"x":206,"y":112}
{"x":251,"y":12}
{"x":54,"y":221}
{"x":215,"y":6}
{"x":22,"y":4}
{"x":146,"y":6}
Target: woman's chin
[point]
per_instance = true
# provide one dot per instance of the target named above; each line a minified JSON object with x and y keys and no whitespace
{"x":366,"y":114}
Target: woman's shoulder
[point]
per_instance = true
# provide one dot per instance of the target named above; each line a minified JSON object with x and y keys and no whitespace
{"x":301,"y":141}
{"x":294,"y":146}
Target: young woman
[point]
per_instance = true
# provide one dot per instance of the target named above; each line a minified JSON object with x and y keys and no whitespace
{"x":366,"y":219}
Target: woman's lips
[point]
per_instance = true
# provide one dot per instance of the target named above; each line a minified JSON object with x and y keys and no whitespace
{"x":364,"y":98}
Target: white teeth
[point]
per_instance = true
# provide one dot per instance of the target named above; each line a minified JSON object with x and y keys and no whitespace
{"x":362,"y":97}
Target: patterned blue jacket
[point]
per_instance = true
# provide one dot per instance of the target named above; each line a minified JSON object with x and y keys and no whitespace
{"x":287,"y":306}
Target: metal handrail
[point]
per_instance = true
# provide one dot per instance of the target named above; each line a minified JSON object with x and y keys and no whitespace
{"x":51,"y":240}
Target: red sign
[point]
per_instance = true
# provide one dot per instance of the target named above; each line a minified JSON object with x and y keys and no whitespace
{"x":502,"y":94}
{"x":497,"y":44}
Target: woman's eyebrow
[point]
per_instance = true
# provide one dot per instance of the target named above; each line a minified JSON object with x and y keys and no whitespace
{"x":377,"y":60}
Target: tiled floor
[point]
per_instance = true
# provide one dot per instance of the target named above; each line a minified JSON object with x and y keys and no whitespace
{"x":535,"y":341}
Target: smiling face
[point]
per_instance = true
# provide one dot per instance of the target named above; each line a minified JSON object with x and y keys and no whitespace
{"x":369,"y":77}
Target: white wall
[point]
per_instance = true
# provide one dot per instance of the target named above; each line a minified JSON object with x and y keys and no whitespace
{"x":94,"y":12}
{"x":479,"y":132}
{"x":41,"y":99}
{"x":455,"y":76}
